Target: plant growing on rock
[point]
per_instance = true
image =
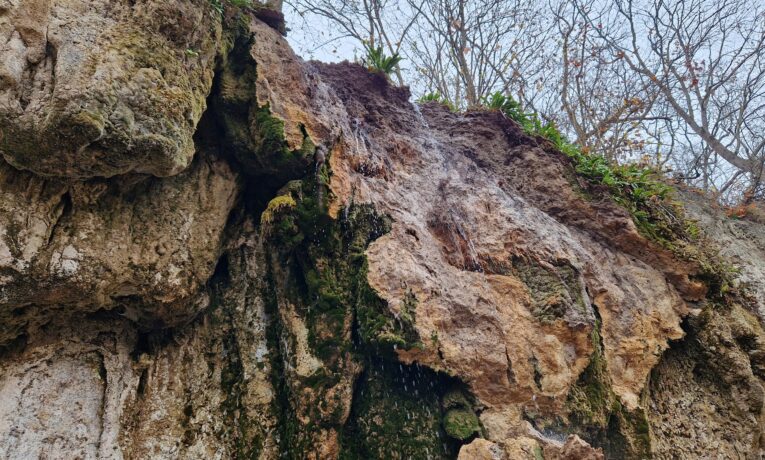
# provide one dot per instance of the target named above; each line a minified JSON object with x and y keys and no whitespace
{"x":218,"y":5}
{"x":638,"y":189}
{"x":633,"y":186}
{"x":377,"y":61}
{"x":437,"y":97}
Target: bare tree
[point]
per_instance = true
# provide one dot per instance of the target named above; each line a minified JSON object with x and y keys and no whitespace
{"x":372,"y":23}
{"x":462,"y":49}
{"x":676,"y":84}
{"x":706,"y":59}
{"x":604,"y":106}
{"x":467,"y":49}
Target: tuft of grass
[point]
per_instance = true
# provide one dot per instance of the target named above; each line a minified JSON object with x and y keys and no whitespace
{"x":437,"y":97}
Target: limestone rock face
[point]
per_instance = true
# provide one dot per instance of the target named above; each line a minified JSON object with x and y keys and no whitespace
{"x":136,"y":243}
{"x":94,"y":88}
{"x":94,"y":387}
{"x":719,"y":369}
{"x":504,"y":279}
{"x":741,"y":241}
{"x":314,"y":267}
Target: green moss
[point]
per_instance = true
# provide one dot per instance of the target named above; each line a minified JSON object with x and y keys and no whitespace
{"x":554,"y":290}
{"x":278,"y":204}
{"x":597,"y":415}
{"x":460,"y":420}
{"x":377,"y":327}
{"x":330,"y":267}
{"x":396,"y":414}
{"x":590,"y":400}
{"x":323,"y":275}
{"x":268,"y":136}
{"x":461,"y":424}
{"x":253,"y":134}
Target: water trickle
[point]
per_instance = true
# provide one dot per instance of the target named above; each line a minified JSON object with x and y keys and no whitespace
{"x":360,"y":137}
{"x":420,"y":117}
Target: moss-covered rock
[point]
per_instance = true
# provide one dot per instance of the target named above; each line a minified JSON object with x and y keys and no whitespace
{"x":109,"y":88}
{"x":396,"y":415}
{"x":255,"y":136}
{"x":320,"y":271}
{"x":460,"y":420}
{"x":556,"y":290}
{"x":461,"y":424}
{"x":597,"y":415}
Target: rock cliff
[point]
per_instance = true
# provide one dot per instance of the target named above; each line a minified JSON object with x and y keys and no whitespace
{"x":210,"y":248}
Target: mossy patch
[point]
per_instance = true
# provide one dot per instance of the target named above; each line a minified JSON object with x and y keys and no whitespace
{"x":322,"y":269}
{"x":596,"y":414}
{"x":461,"y":424}
{"x":396,"y":414}
{"x":460,"y":420}
{"x":555,"y":290}
{"x":253,"y":134}
{"x":331,"y":266}
{"x":275,"y":206}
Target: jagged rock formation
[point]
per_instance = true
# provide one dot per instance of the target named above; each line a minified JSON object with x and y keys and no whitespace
{"x":212,"y":249}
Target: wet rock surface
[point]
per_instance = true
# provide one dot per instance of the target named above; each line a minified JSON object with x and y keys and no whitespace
{"x":313,"y":267}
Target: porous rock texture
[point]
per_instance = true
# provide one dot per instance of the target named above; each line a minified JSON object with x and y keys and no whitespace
{"x":94,"y":88}
{"x":210,"y":248}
